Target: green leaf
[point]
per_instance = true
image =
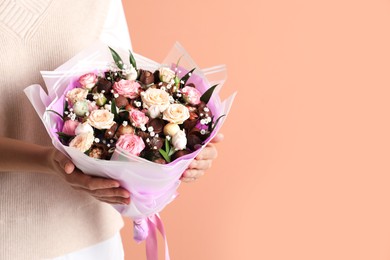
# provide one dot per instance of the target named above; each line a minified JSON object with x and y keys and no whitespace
{"x":55,"y":112}
{"x":117,"y":58}
{"x":167,"y":146}
{"x":63,"y":135}
{"x":216,"y":123}
{"x":132,"y":60}
{"x":185,"y":78}
{"x":207,"y":95}
{"x":165,"y":155}
{"x":113,"y":108}
{"x":177,"y":63}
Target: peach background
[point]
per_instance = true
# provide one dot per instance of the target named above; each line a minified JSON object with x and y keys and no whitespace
{"x":303,"y":172}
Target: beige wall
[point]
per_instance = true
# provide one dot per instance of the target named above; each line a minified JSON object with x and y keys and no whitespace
{"x":304,"y":170}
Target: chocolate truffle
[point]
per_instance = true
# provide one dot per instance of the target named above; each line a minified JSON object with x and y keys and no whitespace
{"x":179,"y":154}
{"x":121,"y":101}
{"x":157,"y":124}
{"x":104,"y":85}
{"x":111,"y":131}
{"x":146,"y":77}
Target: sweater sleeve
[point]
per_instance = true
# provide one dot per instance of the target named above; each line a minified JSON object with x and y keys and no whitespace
{"x":115,"y":31}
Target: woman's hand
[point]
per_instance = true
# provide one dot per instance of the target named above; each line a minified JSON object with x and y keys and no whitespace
{"x":203,"y":161}
{"x":103,"y":189}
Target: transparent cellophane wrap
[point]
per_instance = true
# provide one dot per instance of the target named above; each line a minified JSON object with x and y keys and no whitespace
{"x":152,"y":186}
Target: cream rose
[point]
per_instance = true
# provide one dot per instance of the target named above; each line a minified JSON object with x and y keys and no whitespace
{"x":82,"y":142}
{"x":157,"y":98}
{"x":76,"y":94}
{"x":101,"y":119}
{"x":166,"y":74}
{"x":176,"y":113}
{"x":88,"y":80}
{"x":83,"y":129}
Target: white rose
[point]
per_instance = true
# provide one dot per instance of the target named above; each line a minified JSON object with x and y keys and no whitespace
{"x":131,"y":73}
{"x":101,"y":119}
{"x":166,"y":74}
{"x":179,"y":140}
{"x":155,"y":97}
{"x":83,"y":129}
{"x":176,"y":113}
{"x":82,"y":142}
{"x":154,"y":111}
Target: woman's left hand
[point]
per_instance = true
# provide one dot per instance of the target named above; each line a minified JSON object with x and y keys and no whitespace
{"x":203,"y":161}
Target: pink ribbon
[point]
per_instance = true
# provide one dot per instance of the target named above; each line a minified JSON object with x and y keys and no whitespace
{"x":145,"y":230}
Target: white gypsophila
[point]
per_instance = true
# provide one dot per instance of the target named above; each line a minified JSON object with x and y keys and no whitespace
{"x":179,"y":140}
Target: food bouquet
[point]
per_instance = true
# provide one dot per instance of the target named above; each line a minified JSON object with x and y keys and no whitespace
{"x":133,"y":120}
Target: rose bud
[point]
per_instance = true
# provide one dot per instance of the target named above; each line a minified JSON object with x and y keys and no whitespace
{"x":80,"y":108}
{"x":104,"y":85}
{"x":166,"y":74}
{"x":191,"y":95}
{"x":157,"y":124}
{"x":154,"y":143}
{"x":70,"y":127}
{"x":121,"y":101}
{"x":146,"y":77}
{"x":109,"y":133}
{"x":171,"y":129}
{"x":124,"y":129}
{"x":180,"y":153}
{"x":131,"y":73}
{"x":100,"y":99}
{"x":179,"y":140}
{"x":83,"y":128}
{"x":194,"y":142}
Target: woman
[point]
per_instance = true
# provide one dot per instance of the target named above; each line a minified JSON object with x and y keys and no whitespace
{"x":48,"y":208}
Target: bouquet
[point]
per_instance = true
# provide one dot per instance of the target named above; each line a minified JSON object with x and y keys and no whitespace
{"x":138,"y":122}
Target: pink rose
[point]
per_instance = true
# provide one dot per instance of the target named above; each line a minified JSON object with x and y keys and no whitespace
{"x":131,"y":143}
{"x":138,"y":118}
{"x":88,"y":80}
{"x":70,"y":127}
{"x":92,"y":106}
{"x":127,"y":88}
{"x":191,"y":95}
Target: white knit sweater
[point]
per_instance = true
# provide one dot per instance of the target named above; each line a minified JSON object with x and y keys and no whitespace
{"x":40,"y":215}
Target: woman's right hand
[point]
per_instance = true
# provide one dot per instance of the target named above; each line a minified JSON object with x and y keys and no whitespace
{"x":106,"y":190}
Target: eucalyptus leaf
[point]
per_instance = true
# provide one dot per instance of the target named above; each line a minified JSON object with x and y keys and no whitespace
{"x":118,"y":60}
{"x":113,"y":108}
{"x":207,"y":95}
{"x":185,"y":78}
{"x":55,"y":112}
{"x":132,"y":60}
{"x":216,"y":123}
